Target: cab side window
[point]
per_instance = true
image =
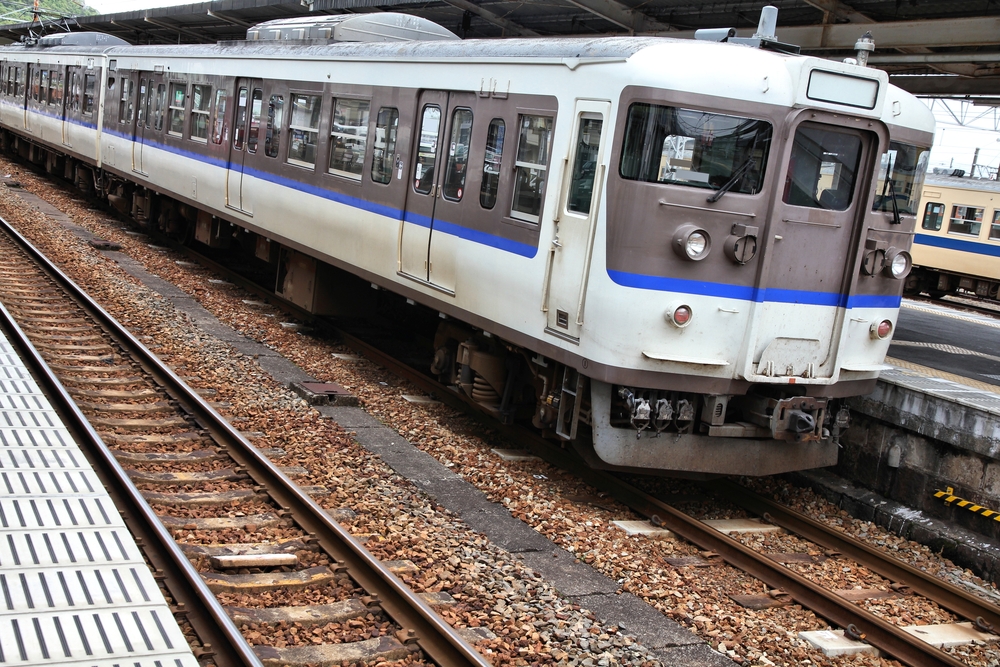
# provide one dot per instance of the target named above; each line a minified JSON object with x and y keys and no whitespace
{"x":933,"y":216}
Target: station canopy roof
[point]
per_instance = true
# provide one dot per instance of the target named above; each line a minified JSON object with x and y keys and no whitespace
{"x":941,"y":48}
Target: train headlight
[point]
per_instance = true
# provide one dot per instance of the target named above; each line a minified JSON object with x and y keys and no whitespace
{"x":897,"y":263}
{"x":881,"y":330}
{"x":692,"y":242}
{"x":679,"y":316}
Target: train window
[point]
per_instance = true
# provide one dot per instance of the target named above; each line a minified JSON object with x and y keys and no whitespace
{"x":530,"y":166}
{"x":75,"y":91}
{"x":384,"y":149}
{"x":59,"y":89}
{"x":491,"y":164}
{"x":219,"y":126}
{"x":240,"y":124}
{"x":581,"y":188}
{"x":458,"y":154}
{"x":965,"y":220}
{"x":34,"y":83}
{"x":201,"y":99}
{"x":178,"y":93}
{"x":89,"y":81}
{"x":43,"y":91}
{"x":275,"y":114}
{"x":933,"y":216}
{"x":694,"y":148}
{"x":823,"y":168}
{"x":303,"y":129}
{"x":19,"y":83}
{"x":55,"y":94}
{"x":143,"y":99}
{"x":160,"y":108}
{"x":126,"y":105}
{"x":430,"y":128}
{"x":907,"y":165}
{"x":256,"y":106}
{"x":348,"y":137}
{"x":995,"y":226}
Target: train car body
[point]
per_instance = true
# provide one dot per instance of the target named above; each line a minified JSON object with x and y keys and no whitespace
{"x":676,"y":254}
{"x":957,"y":244}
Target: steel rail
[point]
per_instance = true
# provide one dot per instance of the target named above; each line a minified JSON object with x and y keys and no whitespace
{"x":949,"y":596}
{"x":440,"y":642}
{"x":220,"y":637}
{"x":888,"y":638}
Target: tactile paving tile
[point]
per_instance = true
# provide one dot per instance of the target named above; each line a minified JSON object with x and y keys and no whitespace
{"x":965,"y":391}
{"x":74,"y":588}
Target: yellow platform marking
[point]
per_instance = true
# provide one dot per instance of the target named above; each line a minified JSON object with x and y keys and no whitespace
{"x":950,"y":498}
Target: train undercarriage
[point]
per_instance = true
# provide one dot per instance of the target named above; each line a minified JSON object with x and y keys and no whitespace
{"x":765,"y":431}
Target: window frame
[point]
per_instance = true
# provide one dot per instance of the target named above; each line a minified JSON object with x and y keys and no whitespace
{"x":219,"y":110}
{"x":388,"y":148}
{"x":489,"y":178}
{"x":272,"y":134}
{"x":994,"y":226}
{"x":334,"y":135}
{"x":452,"y":159}
{"x":940,"y":216}
{"x":964,"y":220}
{"x":87,"y":104}
{"x":173,"y":109}
{"x":529,"y":166}
{"x":203,"y":113}
{"x":315,"y":131}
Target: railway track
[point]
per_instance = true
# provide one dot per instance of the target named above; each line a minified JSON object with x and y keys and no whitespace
{"x":784,"y":581}
{"x":787,"y":585}
{"x":227,"y":522}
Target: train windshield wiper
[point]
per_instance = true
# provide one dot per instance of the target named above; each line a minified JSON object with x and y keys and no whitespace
{"x":892,"y":193}
{"x":733,"y":180}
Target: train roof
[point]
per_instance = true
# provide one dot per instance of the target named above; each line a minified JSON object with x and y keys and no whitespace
{"x":962,"y":183}
{"x":552,"y":47}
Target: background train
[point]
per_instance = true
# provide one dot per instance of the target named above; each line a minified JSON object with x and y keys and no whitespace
{"x":956,"y":249}
{"x":672,"y":268}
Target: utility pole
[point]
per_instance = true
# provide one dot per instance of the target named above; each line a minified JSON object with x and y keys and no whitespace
{"x":975,"y":159}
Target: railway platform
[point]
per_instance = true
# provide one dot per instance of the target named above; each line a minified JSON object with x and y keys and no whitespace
{"x":76,"y":589}
{"x":921,"y":433}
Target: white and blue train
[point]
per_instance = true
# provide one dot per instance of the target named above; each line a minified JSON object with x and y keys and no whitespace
{"x":673,"y":255}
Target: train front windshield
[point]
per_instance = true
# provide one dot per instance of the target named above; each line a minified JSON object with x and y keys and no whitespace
{"x":694,"y":148}
{"x":907,"y":165}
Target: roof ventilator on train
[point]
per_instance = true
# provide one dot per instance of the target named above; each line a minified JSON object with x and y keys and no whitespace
{"x":381,"y":27}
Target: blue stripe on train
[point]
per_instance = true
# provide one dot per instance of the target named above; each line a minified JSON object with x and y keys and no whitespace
{"x":950,"y":243}
{"x":745,"y":293}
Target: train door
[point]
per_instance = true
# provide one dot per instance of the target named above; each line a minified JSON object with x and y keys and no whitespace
{"x":34,"y":74}
{"x":437,"y":183}
{"x":62,"y":103}
{"x":819,"y":212}
{"x":246,"y":130}
{"x":144,"y":83}
{"x":576,"y":220}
